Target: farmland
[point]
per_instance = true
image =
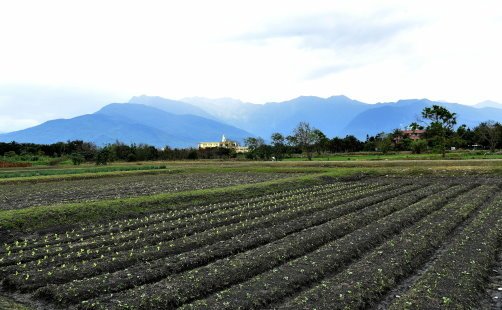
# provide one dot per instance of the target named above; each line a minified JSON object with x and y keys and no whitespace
{"x":254,"y":237}
{"x":22,"y":195}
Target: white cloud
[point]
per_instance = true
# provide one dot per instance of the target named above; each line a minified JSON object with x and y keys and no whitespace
{"x":257,"y":51}
{"x":28,"y":105}
{"x":8,"y":123}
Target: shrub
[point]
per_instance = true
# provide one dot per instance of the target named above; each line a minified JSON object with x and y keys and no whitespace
{"x":77,"y":158}
{"x":418,"y":146}
{"x":103,"y":157}
{"x":56,"y":161}
{"x":193,"y":155}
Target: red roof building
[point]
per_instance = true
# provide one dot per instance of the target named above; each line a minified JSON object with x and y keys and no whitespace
{"x":414,"y":134}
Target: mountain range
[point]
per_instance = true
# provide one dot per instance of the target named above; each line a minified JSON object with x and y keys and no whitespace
{"x":129,"y":123}
{"x":183,"y":123}
{"x":337,"y":115}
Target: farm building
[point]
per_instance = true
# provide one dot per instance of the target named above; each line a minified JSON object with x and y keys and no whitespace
{"x":229,"y":144}
{"x":414,"y":134}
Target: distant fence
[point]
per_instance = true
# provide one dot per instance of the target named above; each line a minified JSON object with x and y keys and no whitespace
{"x":6,"y":164}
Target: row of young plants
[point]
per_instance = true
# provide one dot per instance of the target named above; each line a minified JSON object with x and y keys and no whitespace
{"x":175,"y":228}
{"x":85,"y":252}
{"x":153,"y":271}
{"x":456,"y":279}
{"x":29,"y":276}
{"x":169,"y":213}
{"x":176,"y":290}
{"x":365,"y":281}
{"x":285,"y":280}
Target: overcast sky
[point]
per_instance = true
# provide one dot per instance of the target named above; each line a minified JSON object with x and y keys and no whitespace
{"x":64,"y":58}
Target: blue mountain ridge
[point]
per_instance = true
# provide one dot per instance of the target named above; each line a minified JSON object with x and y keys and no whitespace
{"x":129,"y":123}
{"x":160,"y":122}
{"x":327,"y":114}
{"x":338,"y":115}
{"x":385,"y":117}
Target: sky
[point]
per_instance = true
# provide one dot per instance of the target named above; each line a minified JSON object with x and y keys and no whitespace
{"x":60,"y":59}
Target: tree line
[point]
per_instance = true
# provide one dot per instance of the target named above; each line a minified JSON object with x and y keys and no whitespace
{"x":438,"y":125}
{"x":437,"y":132}
{"x":79,"y":151}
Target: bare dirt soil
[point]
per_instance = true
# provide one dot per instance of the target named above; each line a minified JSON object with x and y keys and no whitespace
{"x":17,"y":196}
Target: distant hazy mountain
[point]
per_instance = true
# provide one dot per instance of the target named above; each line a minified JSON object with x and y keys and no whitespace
{"x":232,"y":111}
{"x":189,"y":129}
{"x":171,"y":106}
{"x":489,"y":104}
{"x":335,"y":116}
{"x":330,"y":115}
{"x":161,"y":122}
{"x":388,"y":116}
{"x":100,"y":129}
{"x":129,"y":123}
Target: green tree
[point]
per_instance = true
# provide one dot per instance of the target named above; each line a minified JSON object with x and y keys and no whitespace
{"x":415,"y":126}
{"x":305,"y":138}
{"x":400,"y":140}
{"x":103,"y":156}
{"x":418,"y":146}
{"x":321,"y":141}
{"x":253,"y":143}
{"x":383,"y":142}
{"x":77,"y":159}
{"x":255,"y":146}
{"x":192,"y":154}
{"x":440,"y":128}
{"x":490,"y":133}
{"x":460,"y":137}
{"x":278,"y":145}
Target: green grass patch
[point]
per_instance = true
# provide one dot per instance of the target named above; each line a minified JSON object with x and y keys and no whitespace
{"x":401,"y":156}
{"x":50,"y":172}
{"x":81,"y":176}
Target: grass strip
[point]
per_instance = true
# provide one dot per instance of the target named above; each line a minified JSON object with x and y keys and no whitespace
{"x":84,"y":176}
{"x":50,"y":172}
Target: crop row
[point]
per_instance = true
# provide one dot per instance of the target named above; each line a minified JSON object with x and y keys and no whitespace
{"x":178,"y":289}
{"x":169,"y":213}
{"x":174,"y":228}
{"x":363,"y":282}
{"x":75,"y":249}
{"x":456,"y":278}
{"x":155,"y":270}
{"x":285,"y":280}
{"x":60,"y":268}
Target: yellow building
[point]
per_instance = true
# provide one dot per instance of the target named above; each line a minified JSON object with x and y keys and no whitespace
{"x":229,"y":144}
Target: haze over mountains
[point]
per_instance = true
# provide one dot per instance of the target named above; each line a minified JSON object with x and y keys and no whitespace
{"x":129,"y":123}
{"x":337,"y":115}
{"x":184,"y":123}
